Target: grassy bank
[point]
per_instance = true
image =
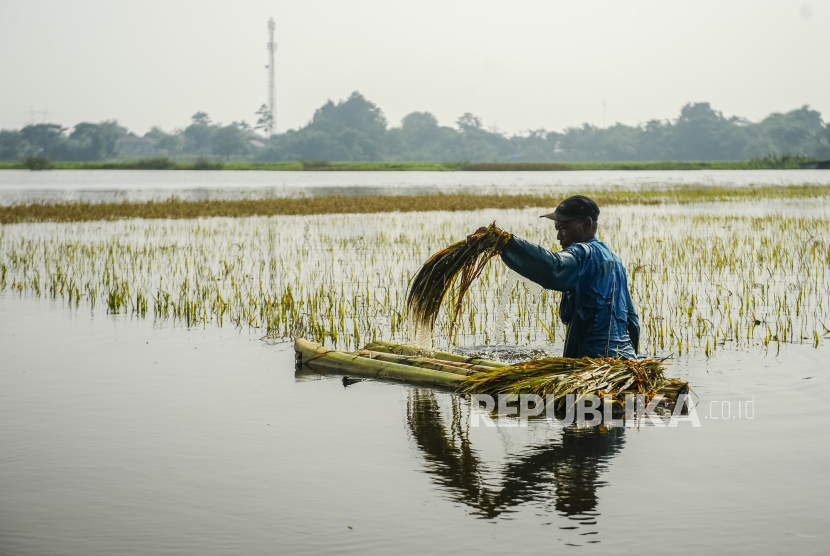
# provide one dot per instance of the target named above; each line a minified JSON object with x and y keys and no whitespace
{"x":210,"y":164}
{"x":177,"y":208}
{"x":161,"y":163}
{"x":765,"y":163}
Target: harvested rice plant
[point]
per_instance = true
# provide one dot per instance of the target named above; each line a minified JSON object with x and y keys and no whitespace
{"x":731,"y":276}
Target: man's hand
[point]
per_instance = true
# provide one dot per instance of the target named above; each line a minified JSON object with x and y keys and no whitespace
{"x":475,"y":237}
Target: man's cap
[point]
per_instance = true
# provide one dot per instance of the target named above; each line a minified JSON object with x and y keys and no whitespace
{"x":572,"y":208}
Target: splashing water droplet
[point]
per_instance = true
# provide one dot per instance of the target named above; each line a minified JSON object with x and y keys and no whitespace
{"x":497,"y":333}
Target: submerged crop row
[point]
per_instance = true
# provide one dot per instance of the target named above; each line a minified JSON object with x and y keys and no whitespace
{"x":702,"y":282}
{"x":75,"y":211}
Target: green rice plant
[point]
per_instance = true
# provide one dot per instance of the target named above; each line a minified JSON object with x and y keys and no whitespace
{"x":739,"y":277}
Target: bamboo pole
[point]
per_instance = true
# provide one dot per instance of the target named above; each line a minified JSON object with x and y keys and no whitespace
{"x":422,"y":362}
{"x":673,"y":390}
{"x":400,"y":349}
{"x":467,"y":366}
{"x":318,"y":358}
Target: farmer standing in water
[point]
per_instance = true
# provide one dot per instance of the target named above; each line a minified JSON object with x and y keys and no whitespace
{"x":596,"y":305}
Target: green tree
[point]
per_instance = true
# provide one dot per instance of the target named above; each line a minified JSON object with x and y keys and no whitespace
{"x":229,"y":140}
{"x":420,"y":138}
{"x":655,"y":140}
{"x":12,"y":145}
{"x":468,"y":122}
{"x":355,"y":129}
{"x":200,"y":118}
{"x":796,"y":132}
{"x":535,"y":147}
{"x":169,"y":142}
{"x":265,"y":120}
{"x":199,"y":134}
{"x":702,"y":133}
{"x":580,"y":143}
{"x":90,"y":141}
{"x":474,"y":143}
{"x":44,"y":140}
{"x":355,"y":113}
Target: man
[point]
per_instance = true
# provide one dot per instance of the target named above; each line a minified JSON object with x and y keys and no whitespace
{"x":596,"y":305}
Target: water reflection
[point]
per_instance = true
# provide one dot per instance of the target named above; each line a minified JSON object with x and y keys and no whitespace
{"x":566,"y":473}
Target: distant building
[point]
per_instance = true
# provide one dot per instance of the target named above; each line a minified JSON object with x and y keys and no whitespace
{"x":133,"y":144}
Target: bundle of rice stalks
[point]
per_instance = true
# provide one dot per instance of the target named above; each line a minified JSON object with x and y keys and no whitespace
{"x":438,"y":277}
{"x":561,"y":376}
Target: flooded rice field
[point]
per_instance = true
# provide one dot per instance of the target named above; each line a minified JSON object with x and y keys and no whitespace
{"x":23,"y":186}
{"x":737,"y":277}
{"x":149,"y":402}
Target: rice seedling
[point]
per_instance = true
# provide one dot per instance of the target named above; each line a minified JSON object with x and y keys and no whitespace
{"x":720,"y":277}
{"x":438,"y":275}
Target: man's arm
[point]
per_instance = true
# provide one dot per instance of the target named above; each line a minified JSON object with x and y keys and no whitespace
{"x":553,"y":271}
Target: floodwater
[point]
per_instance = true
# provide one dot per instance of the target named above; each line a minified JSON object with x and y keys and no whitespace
{"x":128,"y":435}
{"x":122,"y":435}
{"x":19,"y":186}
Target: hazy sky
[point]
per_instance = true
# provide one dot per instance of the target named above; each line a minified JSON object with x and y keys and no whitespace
{"x":517,"y":64}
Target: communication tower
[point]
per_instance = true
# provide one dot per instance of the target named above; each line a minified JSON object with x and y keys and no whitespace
{"x":272,"y":48}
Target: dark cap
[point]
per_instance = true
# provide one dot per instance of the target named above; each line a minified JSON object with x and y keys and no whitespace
{"x":572,"y":208}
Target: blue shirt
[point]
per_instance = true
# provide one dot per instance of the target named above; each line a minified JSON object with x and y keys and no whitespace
{"x":596,"y":305}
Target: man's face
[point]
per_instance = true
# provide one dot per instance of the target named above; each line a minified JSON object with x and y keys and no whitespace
{"x":572,"y":231}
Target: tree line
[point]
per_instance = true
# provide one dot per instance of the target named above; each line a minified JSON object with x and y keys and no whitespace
{"x":355,"y":129}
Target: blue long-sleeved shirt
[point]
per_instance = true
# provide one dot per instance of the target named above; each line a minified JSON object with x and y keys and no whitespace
{"x":596,"y":305}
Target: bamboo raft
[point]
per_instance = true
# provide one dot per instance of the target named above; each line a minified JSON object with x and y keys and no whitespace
{"x":385,"y":360}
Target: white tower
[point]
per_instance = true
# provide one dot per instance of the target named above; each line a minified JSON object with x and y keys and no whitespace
{"x":272,"y":48}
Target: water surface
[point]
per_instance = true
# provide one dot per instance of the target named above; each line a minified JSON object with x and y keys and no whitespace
{"x":123,"y":435}
{"x":118,"y":185}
